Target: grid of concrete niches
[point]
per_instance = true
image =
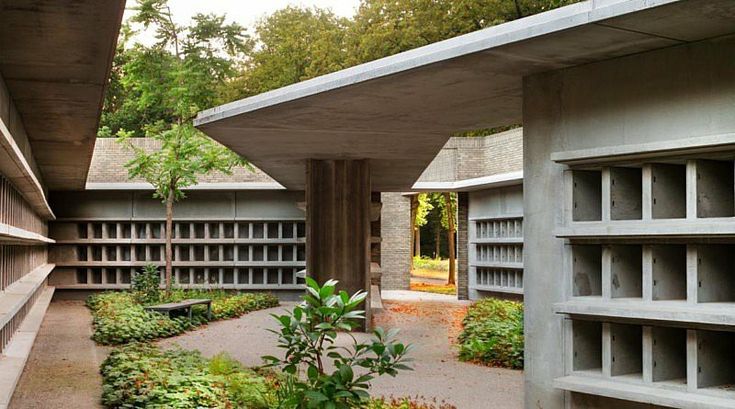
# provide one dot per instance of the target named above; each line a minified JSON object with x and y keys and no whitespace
{"x":228,"y":254}
{"x":664,"y":357}
{"x":683,"y":189}
{"x":496,"y":259}
{"x":648,"y":269}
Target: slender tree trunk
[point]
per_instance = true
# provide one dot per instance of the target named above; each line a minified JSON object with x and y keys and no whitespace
{"x":450,"y":237}
{"x":417,"y":242}
{"x":437,"y":241}
{"x":414,"y":208}
{"x":169,"y":247}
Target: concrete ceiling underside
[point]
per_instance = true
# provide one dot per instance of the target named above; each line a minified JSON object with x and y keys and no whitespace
{"x":400,"y":110}
{"x":55,"y":58}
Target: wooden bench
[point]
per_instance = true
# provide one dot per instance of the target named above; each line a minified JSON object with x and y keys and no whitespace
{"x":182,"y":305}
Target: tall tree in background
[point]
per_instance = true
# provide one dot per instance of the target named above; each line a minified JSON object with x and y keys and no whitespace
{"x":386,"y":27}
{"x":294,"y":44}
{"x":169,"y":83}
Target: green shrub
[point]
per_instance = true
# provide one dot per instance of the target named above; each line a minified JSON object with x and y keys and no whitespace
{"x":405,"y":403}
{"x":142,"y":375}
{"x":427,"y":263}
{"x":146,"y":285}
{"x":120,"y":318}
{"x":493,"y":333}
{"x":308,"y":334}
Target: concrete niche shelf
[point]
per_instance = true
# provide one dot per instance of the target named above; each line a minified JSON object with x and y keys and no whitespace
{"x":587,"y":270}
{"x":586,"y":195}
{"x":626,"y":351}
{"x":587,"y":347}
{"x":626,"y":271}
{"x":668,"y":191}
{"x":626,"y":193}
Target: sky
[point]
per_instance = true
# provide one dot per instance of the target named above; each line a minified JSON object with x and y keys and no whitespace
{"x":244,"y":12}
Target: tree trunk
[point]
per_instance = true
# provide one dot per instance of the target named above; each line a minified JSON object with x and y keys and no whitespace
{"x":450,"y":237}
{"x":417,"y":242}
{"x":437,"y":242}
{"x":414,"y":208}
{"x":169,"y":247}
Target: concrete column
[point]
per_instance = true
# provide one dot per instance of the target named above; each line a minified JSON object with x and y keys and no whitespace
{"x":338,"y":222}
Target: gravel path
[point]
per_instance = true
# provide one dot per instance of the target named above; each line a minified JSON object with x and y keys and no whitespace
{"x":63,"y":368}
{"x":431,"y":325}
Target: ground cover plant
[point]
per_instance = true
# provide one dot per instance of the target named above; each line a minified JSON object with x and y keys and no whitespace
{"x":121,"y":317}
{"x":141,"y":375}
{"x":493,"y":334}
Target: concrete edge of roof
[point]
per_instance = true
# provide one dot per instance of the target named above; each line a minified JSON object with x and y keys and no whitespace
{"x":538,"y":25}
{"x":200,"y":186}
{"x":473,"y":184}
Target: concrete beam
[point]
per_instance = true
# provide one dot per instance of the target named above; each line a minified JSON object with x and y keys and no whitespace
{"x":398,"y":111}
{"x":55,"y":58}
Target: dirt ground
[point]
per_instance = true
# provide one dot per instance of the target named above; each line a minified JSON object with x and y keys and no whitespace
{"x":63,"y":368}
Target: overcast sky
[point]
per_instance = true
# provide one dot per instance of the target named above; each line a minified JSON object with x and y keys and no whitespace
{"x":245,"y":12}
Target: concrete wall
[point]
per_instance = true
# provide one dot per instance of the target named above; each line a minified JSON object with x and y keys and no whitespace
{"x":671,"y":94}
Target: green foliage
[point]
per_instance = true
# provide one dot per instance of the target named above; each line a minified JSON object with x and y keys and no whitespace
{"x":428,"y":263}
{"x":423,"y":209}
{"x":185,"y":154}
{"x":146,"y":285}
{"x":493,"y":333}
{"x":142,"y":375}
{"x":154,"y":87}
{"x":386,"y":27}
{"x":308,"y":335}
{"x":120,"y":318}
{"x":295,"y":44}
{"x":404,"y":403}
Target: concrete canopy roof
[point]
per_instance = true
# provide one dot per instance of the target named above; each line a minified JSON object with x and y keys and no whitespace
{"x":55,"y":58}
{"x":399,"y":111}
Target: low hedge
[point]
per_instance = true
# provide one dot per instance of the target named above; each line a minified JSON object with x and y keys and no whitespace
{"x":493,"y":334}
{"x":119,"y":318}
{"x":141,"y":375}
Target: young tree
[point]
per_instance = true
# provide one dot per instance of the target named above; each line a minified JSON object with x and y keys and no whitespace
{"x":173,"y":80}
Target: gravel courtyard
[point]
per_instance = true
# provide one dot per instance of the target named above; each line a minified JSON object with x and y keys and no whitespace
{"x":429,"y":322}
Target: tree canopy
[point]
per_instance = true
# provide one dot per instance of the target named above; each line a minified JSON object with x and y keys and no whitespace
{"x":220,"y":62}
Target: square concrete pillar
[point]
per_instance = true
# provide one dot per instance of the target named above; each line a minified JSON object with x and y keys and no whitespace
{"x":338,"y":222}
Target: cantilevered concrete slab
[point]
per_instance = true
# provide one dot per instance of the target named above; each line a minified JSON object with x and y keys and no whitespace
{"x":399,"y":111}
{"x":55,"y":58}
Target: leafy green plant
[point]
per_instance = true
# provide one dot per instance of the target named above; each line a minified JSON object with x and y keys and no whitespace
{"x":120,"y":318}
{"x":142,"y":375}
{"x":493,"y":333}
{"x":308,"y":334}
{"x":146,"y":285}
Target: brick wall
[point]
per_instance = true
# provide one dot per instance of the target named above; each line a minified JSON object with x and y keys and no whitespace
{"x":109,"y":159}
{"x":468,"y":158}
{"x":395,"y":241}
{"x":463,"y":277}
